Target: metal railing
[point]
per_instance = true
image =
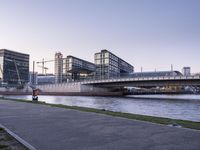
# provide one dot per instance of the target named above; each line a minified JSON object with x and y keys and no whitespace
{"x":140,"y":79}
{"x":125,"y":79}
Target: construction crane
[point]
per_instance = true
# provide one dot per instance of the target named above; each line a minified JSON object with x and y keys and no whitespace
{"x":44,"y":69}
{"x":20,"y":85}
{"x":18,"y":76}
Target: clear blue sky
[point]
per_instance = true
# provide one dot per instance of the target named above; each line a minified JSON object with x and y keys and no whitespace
{"x":148,"y":33}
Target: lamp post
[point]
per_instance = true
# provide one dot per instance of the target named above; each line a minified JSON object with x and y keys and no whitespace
{"x":33,"y":76}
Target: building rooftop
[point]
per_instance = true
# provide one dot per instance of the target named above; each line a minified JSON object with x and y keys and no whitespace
{"x":105,"y":50}
{"x":79,"y":59}
{"x":3,"y":50}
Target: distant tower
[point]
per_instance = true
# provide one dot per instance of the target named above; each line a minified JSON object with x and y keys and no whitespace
{"x":186,"y":71}
{"x":58,"y":67}
{"x":172,"y":68}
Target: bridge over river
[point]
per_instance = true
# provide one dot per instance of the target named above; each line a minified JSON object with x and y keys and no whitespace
{"x":147,"y":81}
{"x":116,"y":85}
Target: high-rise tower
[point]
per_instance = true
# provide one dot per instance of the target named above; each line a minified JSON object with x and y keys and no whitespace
{"x":58,"y":67}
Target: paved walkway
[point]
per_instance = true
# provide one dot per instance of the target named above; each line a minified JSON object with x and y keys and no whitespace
{"x":47,"y":128}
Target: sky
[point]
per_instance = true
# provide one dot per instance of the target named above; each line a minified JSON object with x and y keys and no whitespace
{"x":152,"y":34}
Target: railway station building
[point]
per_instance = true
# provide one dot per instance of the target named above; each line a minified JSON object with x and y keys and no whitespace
{"x":108,"y":65}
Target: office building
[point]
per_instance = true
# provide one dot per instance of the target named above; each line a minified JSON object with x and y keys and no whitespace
{"x":14,"y":67}
{"x":77,"y":69}
{"x":109,"y":65}
{"x":58,"y":67}
{"x":186,"y":71}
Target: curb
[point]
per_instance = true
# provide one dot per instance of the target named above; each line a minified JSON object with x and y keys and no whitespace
{"x":19,"y":139}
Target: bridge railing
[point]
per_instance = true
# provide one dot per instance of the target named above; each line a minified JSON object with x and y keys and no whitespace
{"x":141,"y":78}
{"x":118,"y":79}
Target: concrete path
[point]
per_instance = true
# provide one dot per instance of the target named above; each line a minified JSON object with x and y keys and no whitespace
{"x":51,"y":128}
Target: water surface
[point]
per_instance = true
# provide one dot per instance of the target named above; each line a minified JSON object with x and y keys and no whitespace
{"x":186,"y":107}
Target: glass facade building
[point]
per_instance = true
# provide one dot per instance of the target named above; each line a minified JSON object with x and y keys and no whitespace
{"x":109,"y":65}
{"x":14,"y":67}
{"x":76,"y":69}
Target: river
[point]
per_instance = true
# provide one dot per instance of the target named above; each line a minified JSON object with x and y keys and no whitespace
{"x":186,"y":107}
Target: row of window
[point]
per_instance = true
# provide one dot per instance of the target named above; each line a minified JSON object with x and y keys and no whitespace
{"x":76,"y":64}
{"x":113,"y":61}
{"x":102,"y":55}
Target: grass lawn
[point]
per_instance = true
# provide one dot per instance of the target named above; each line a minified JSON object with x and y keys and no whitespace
{"x":7,"y":142}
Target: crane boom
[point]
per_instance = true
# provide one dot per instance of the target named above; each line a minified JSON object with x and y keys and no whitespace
{"x":19,"y":79}
{"x":43,"y":62}
{"x":45,"y":69}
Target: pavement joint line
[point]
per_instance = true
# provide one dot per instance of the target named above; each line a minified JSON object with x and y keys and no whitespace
{"x":3,"y":117}
{"x":22,"y":141}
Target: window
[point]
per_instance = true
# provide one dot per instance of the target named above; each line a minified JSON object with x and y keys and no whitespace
{"x":97,"y":56}
{"x":70,"y":60}
{"x":106,"y":61}
{"x":98,"y":61}
{"x":107,"y":55}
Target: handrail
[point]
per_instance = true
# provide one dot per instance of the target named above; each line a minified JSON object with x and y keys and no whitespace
{"x":126,"y":79}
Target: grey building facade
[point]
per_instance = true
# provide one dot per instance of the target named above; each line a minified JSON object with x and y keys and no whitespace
{"x":156,"y":74}
{"x":77,"y":69}
{"x":186,"y":71}
{"x":45,"y":79}
{"x":14,"y":67}
{"x":108,"y":65}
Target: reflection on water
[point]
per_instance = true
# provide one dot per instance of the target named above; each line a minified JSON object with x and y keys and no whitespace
{"x":186,"y":107}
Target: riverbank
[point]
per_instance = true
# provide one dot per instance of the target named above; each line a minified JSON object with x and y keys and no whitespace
{"x":50,"y":127}
{"x":108,"y":94}
{"x":158,"y":120}
{"x":179,"y":108}
{"x":164,"y":97}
